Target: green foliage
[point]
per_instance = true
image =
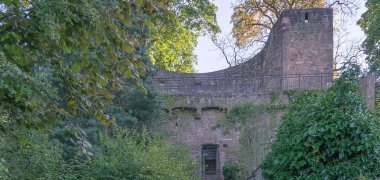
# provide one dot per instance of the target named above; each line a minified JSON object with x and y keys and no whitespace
{"x":175,"y":37}
{"x":274,"y":97}
{"x":252,"y":19}
{"x":4,"y":172}
{"x":77,"y":136}
{"x":327,"y":135}
{"x":173,"y":51}
{"x":169,"y":99}
{"x":370,"y":22}
{"x":240,"y":114}
{"x":256,"y":123}
{"x":136,"y":108}
{"x":231,"y":171}
{"x":30,"y":154}
{"x":377,"y":96}
{"x":29,"y":99}
{"x":87,"y":47}
{"x":119,"y":154}
{"x":78,"y":62}
{"x":132,"y":155}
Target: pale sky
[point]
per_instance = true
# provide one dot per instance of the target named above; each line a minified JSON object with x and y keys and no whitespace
{"x":210,"y":59}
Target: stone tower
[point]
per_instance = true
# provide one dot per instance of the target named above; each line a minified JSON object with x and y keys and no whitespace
{"x":298,"y":55}
{"x":307,"y":41}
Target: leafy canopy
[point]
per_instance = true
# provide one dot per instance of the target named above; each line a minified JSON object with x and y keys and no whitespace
{"x":60,"y":58}
{"x":174,"y":37}
{"x":370,"y":23}
{"x":327,"y":135}
{"x":252,"y":19}
{"x":76,"y":60}
{"x":86,"y":47}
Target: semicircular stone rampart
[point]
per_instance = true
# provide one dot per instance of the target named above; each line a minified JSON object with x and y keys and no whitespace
{"x":298,"y":55}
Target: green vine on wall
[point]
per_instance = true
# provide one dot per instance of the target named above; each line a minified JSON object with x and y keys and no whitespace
{"x":169,"y":99}
{"x":257,"y":124}
{"x":241,"y":114}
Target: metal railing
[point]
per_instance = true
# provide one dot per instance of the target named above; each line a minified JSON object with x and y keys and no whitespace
{"x":240,"y":84}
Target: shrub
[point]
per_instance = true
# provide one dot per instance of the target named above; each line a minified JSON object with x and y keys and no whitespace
{"x":231,"y":171}
{"x":30,"y":156}
{"x":327,"y":135}
{"x":133,"y":155}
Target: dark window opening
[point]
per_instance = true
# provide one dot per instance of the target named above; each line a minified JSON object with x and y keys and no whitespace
{"x":198,"y":83}
{"x":225,"y":145}
{"x":209,"y":159}
{"x":306,"y":17}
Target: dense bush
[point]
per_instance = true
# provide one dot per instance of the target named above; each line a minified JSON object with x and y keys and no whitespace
{"x":327,"y":135}
{"x":33,"y":156}
{"x":231,"y":171}
{"x":121,"y":155}
{"x":132,"y":155}
{"x":136,"y":108}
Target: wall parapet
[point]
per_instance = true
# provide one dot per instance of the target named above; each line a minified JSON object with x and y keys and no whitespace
{"x":240,"y":84}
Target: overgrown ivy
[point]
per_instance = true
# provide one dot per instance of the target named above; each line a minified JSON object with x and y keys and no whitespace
{"x":241,"y":114}
{"x":327,"y":135}
{"x":255,"y":131}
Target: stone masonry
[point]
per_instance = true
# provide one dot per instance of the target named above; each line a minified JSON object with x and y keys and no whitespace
{"x":298,"y":55}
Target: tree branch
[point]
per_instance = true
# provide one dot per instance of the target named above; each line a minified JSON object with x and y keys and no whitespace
{"x":253,"y":174}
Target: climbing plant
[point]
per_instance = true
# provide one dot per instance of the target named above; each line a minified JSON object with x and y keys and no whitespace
{"x":256,"y":123}
{"x":327,"y":135}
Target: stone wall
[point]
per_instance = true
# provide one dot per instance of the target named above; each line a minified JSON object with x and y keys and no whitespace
{"x":307,"y":46}
{"x":197,"y":132}
{"x":307,"y":41}
{"x":368,"y":85}
{"x":298,"y":55}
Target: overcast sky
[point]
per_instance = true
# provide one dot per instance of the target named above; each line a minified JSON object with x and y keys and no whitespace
{"x":210,"y":59}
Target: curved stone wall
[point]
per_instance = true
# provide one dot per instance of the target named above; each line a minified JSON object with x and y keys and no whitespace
{"x":298,"y":55}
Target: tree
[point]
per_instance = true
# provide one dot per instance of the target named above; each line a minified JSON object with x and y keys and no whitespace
{"x":175,"y":37}
{"x":87,"y":49}
{"x":83,"y":49}
{"x":74,"y":61}
{"x":29,"y":154}
{"x":233,"y":54}
{"x":133,"y":110}
{"x":252,"y":21}
{"x":370,"y":22}
{"x":346,"y":51}
{"x":327,"y":135}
